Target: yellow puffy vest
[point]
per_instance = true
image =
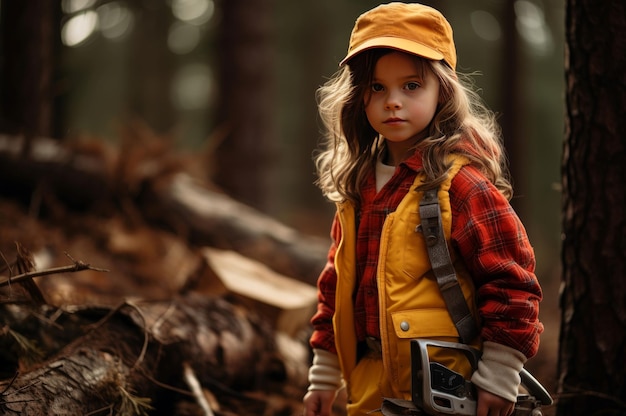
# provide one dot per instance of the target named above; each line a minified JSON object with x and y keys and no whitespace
{"x":411,"y":305}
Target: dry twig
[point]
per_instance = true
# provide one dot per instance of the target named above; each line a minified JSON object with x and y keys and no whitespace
{"x":194,"y":385}
{"x":76,"y":267}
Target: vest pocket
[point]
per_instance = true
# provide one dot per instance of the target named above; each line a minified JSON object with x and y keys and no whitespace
{"x":423,"y":323}
{"x":415,"y":262}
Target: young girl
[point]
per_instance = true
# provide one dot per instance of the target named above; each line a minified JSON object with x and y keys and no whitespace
{"x":400,"y":122}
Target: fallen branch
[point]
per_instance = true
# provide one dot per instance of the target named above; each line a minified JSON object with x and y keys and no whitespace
{"x":76,"y":267}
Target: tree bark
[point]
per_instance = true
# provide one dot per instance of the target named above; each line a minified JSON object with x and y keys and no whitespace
{"x":593,"y":329}
{"x":133,"y":358}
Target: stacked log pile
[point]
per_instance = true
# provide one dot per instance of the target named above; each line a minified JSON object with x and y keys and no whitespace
{"x":143,"y":291}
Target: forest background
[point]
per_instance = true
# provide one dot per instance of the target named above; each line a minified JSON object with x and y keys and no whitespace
{"x":234,"y":83}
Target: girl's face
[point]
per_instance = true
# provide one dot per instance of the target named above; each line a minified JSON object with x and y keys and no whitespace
{"x":402,"y":99}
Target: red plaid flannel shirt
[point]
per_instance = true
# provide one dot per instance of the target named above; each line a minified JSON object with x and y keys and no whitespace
{"x":487,"y":235}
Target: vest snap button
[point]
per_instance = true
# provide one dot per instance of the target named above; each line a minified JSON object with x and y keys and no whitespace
{"x":404,"y":325}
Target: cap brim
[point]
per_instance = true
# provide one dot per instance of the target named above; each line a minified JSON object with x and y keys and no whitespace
{"x":400,"y":44}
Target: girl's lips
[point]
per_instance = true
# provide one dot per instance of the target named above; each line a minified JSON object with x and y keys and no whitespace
{"x":392,"y":120}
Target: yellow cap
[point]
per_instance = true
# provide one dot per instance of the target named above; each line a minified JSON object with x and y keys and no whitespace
{"x":408,"y":27}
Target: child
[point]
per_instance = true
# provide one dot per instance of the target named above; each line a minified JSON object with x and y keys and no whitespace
{"x":399,"y":122}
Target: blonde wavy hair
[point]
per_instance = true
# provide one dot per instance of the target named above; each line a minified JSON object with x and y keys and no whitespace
{"x":350,"y":146}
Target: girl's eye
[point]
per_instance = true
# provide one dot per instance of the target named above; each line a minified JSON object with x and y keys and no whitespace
{"x":377,"y":87}
{"x":412,"y":86}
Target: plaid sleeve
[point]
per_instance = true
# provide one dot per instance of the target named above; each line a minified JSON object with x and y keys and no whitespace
{"x":491,"y":239}
{"x":323,"y":336}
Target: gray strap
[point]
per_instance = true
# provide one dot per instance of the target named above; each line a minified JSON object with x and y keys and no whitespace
{"x":443,"y":269}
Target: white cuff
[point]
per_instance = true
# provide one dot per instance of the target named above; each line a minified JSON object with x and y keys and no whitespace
{"x":324,"y":373}
{"x":498,"y":370}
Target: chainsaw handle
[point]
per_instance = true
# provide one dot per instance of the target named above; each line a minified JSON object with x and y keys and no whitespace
{"x":473,"y":355}
{"x":429,"y":400}
{"x":437,"y":402}
{"x":535,"y":388}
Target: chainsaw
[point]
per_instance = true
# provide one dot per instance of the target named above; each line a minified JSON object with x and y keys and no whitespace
{"x":437,"y":391}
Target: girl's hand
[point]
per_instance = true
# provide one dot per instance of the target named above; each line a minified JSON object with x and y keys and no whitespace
{"x":491,"y":405}
{"x":318,"y":402}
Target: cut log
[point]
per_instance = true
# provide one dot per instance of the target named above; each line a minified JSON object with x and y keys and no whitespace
{"x":132,"y":358}
{"x":287,"y":303}
{"x":215,"y":220}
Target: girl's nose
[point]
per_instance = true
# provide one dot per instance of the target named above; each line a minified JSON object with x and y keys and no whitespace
{"x":392,"y":102}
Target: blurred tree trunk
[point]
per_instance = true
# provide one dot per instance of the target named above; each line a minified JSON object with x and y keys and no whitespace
{"x":593,"y":329}
{"x":152,"y":65}
{"x":512,"y":108}
{"x":243,"y":159}
{"x":28,"y":38}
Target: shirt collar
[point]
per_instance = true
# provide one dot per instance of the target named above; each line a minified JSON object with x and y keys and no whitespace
{"x":414,"y":162}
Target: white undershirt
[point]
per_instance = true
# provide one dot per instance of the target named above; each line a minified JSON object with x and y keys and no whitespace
{"x":383,"y":174}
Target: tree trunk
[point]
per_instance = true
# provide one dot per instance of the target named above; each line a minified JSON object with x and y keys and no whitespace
{"x":593,"y":332}
{"x":28,"y":40}
{"x":243,"y":160}
{"x":513,"y":109}
{"x":152,"y":66}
